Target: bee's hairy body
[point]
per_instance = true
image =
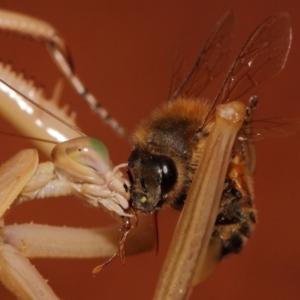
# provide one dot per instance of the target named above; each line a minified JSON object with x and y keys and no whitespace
{"x":172,"y":132}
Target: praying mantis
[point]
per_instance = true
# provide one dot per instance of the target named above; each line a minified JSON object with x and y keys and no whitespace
{"x":24,"y":180}
{"x":96,"y":263}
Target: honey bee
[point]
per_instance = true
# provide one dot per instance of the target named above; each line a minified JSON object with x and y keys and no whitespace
{"x":168,"y":144}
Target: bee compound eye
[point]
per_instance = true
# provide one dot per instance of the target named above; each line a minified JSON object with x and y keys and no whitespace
{"x":168,"y":174}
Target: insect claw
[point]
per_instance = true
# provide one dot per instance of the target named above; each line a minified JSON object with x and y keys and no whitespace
{"x":98,"y":269}
{"x":121,"y":245}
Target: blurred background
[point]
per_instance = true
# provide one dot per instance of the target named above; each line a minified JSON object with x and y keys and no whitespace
{"x":124,"y":51}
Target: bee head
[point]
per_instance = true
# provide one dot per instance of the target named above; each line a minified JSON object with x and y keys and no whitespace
{"x":151,"y":177}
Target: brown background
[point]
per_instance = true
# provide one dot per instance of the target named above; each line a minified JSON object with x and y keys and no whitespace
{"x":124,"y":52}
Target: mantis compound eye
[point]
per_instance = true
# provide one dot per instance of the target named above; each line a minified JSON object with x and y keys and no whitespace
{"x":88,"y":152}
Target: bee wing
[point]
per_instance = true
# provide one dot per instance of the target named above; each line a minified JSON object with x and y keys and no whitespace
{"x":277,"y":127}
{"x":211,"y":60}
{"x":263,"y":56}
